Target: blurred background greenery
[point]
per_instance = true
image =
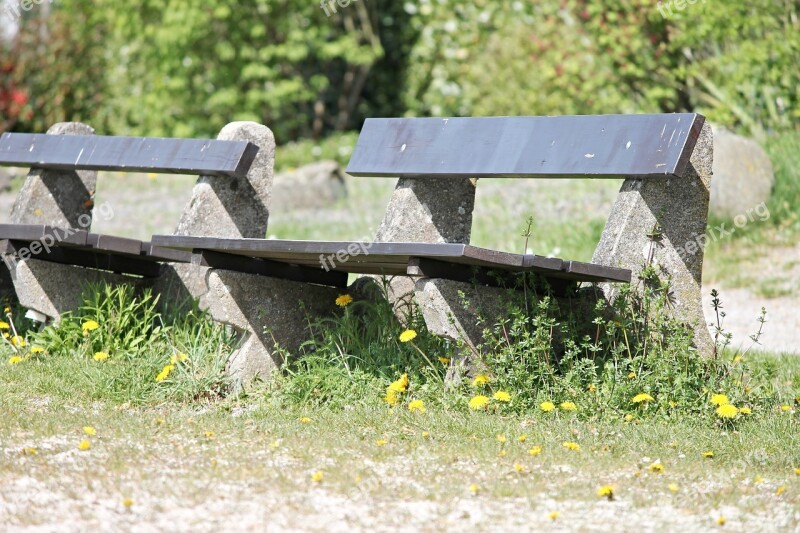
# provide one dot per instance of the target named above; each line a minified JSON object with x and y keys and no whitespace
{"x":187,"y":67}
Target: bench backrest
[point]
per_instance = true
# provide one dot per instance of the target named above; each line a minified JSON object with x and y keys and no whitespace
{"x":199,"y":157}
{"x":590,"y":146}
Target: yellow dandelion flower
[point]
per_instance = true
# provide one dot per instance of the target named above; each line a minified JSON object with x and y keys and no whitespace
{"x":474,"y":489}
{"x":416,"y":405}
{"x":568,"y":406}
{"x":18,"y":341}
{"x":745,"y":411}
{"x":84,"y":445}
{"x":6,"y":335}
{"x":408,"y":335}
{"x":727,"y":411}
{"x":15,"y":360}
{"x":7,"y":310}
{"x":502,"y":396}
{"x":780,"y":490}
{"x":425,"y":434}
{"x":317,"y":476}
{"x":90,"y":325}
{"x":673,"y":488}
{"x":657,"y":467}
{"x":797,"y":471}
{"x":100,"y":356}
{"x":606,"y":491}
{"x":391,"y":397}
{"x":719,"y":399}
{"x":758,"y":480}
{"x":4,"y":325}
{"x":209,"y":434}
{"x":708,"y":455}
{"x":629,"y":417}
{"x":478,"y":402}
{"x":519,"y":468}
{"x":444,"y":360}
{"x":631,"y":375}
{"x":592,"y":388}
{"x":89,"y":430}
{"x":536,"y":450}
{"x":547,"y":406}
{"x":553,"y":515}
{"x":642,"y":398}
{"x":501,"y":439}
{"x":400,"y":385}
{"x":380,"y":442}
{"x":786,"y":408}
{"x":344,"y":300}
{"x":573,"y":446}
{"x":305,"y":420}
{"x":480,"y":379}
{"x":165,"y":372}
{"x":522,"y":438}
{"x":127,"y":503}
{"x":37,"y":349}
{"x":502,"y":453}
{"x":30,"y":451}
{"x":721,"y":520}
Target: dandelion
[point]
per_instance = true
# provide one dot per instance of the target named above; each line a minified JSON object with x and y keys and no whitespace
{"x":745,"y":411}
{"x":344,"y":300}
{"x":592,"y":388}
{"x":416,"y":405}
{"x":642,"y":398}
{"x":380,"y":442}
{"x":631,"y":375}
{"x":522,"y":438}
{"x":547,"y":406}
{"x":629,"y":417}
{"x":480,"y":379}
{"x":30,"y":451}
{"x":444,"y":360}
{"x":474,"y":489}
{"x":719,"y":399}
{"x":37,"y":350}
{"x":478,"y":402}
{"x":209,"y":434}
{"x":708,"y":455}
{"x":100,"y":356}
{"x":572,"y":446}
{"x":502,"y":396}
{"x":7,"y":310}
{"x":18,"y":341}
{"x":179,"y":358}
{"x":786,"y":408}
{"x":89,"y":430}
{"x":536,"y":450}
{"x":305,"y":420}
{"x":673,"y":404}
{"x":657,"y":467}
{"x":317,"y":476}
{"x":721,"y":520}
{"x":89,"y":325}
{"x":727,"y":411}
{"x":519,"y":468}
{"x":127,"y":503}
{"x":501,"y":439}
{"x":408,"y":335}
{"x":391,"y":397}
{"x":780,"y":490}
{"x":165,"y":372}
{"x":568,"y":406}
{"x":673,"y":488}
{"x":797,"y":471}
{"x":4,"y":325}
{"x":606,"y":491}
{"x":400,"y":385}
{"x":553,"y":515}
{"x":84,"y":445}
{"x":425,"y":434}
{"x":15,"y":360}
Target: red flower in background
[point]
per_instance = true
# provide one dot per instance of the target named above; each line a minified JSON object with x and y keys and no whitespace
{"x":12,"y":99}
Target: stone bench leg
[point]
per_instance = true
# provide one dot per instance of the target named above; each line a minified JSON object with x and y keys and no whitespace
{"x":270,"y":314}
{"x":679,"y":206}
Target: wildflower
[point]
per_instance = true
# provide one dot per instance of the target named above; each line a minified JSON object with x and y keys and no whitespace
{"x":317,"y":476}
{"x":89,"y":325}
{"x":165,"y":372}
{"x":89,"y":430}
{"x":797,"y":471}
{"x":727,"y":411}
{"x":708,"y":455}
{"x":209,"y":434}
{"x":786,"y":408}
{"x":478,"y":402}
{"x":7,"y":310}
{"x":592,"y":388}
{"x":547,"y":406}
{"x":536,"y":450}
{"x":444,"y":360}
{"x":553,"y":515}
{"x":380,"y":442}
{"x":179,"y":358}
{"x":30,"y":451}
{"x":16,"y":340}
{"x":15,"y":360}
{"x":425,"y":434}
{"x":501,"y":453}
{"x":631,"y":375}
{"x":304,"y":420}
{"x":568,"y":406}
{"x":758,"y":480}
{"x":391,"y":397}
{"x":127,"y":503}
{"x":501,"y":439}
{"x":519,"y":468}
{"x":408,"y":335}
{"x":673,"y":404}
{"x":416,"y":405}
{"x":642,"y":398}
{"x":721,"y":520}
{"x":37,"y":349}
{"x":719,"y":399}
{"x":100,"y":356}
{"x":474,"y":489}
{"x":480,"y":379}
{"x":4,"y":325}
{"x":780,"y":490}
{"x":573,"y":446}
{"x":502,"y":396}
{"x":606,"y":491}
{"x":400,"y":385}
{"x":745,"y":411}
{"x":673,"y":488}
{"x":522,"y":438}
{"x":657,"y":467}
{"x":84,"y":445}
{"x":344,"y":300}
{"x":629,"y":417}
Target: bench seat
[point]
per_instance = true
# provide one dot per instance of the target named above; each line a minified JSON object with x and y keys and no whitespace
{"x":317,"y":262}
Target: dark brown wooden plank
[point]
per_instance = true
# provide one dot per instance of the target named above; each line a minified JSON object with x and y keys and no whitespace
{"x":128,"y":154}
{"x":88,"y":257}
{"x":591,"y":146}
{"x":46,"y":234}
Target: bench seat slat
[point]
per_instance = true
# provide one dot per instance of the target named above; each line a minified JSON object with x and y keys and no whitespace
{"x":390,"y":258}
{"x":128,"y":154}
{"x":591,"y":146}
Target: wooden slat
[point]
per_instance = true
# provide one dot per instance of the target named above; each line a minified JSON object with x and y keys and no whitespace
{"x":128,"y":154}
{"x":592,"y":146}
{"x":32,"y":232}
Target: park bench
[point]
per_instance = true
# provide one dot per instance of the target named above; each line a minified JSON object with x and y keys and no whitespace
{"x":424,"y":238}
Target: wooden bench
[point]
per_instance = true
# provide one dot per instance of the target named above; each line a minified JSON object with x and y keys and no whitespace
{"x":49,"y":249}
{"x":425,"y":234}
